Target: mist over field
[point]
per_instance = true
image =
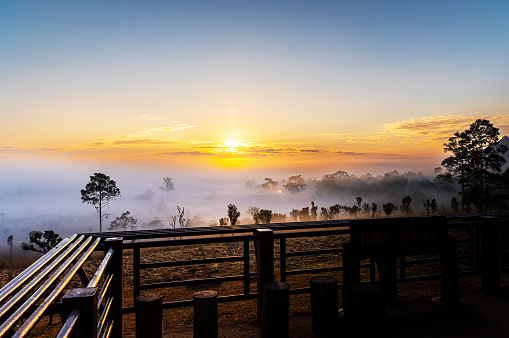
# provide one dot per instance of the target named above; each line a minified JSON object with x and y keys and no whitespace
{"x":47,"y":196}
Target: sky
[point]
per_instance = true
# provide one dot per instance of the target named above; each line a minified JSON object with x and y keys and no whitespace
{"x":238,"y":89}
{"x":249,"y":85}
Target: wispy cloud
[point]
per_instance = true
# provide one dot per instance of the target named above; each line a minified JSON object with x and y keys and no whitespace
{"x":441,"y":127}
{"x":420,"y":132}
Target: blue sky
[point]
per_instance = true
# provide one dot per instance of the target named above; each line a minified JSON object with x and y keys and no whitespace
{"x":80,"y":78}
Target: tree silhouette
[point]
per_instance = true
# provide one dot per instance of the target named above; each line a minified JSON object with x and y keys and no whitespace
{"x":405,"y":204}
{"x":314,"y":211}
{"x":389,"y":208}
{"x":263,"y":216}
{"x":44,"y":241}
{"x":124,"y":222}
{"x":295,"y":184}
{"x":168,"y":186}
{"x":10,"y":239}
{"x":99,"y":191}
{"x":454,"y":204}
{"x":295,"y":213}
{"x":183,"y":222}
{"x":476,"y":157}
{"x":233,"y":214}
{"x":374,"y":209}
{"x":270,"y":184}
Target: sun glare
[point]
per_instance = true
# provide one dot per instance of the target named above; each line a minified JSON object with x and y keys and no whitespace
{"x":232,"y":145}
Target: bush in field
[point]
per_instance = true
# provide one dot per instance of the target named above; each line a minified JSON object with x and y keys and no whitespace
{"x":124,"y":222}
{"x":233,"y":214}
{"x":389,"y":208}
{"x":42,"y":242}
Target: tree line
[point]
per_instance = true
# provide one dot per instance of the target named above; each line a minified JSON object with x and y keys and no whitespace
{"x":476,"y":165}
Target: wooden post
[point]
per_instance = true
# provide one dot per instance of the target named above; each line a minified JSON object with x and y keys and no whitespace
{"x":351,"y":275}
{"x":276,"y":308}
{"x":388,"y":271}
{"x":477,"y":248}
{"x":84,"y":300}
{"x":490,"y":255}
{"x":116,"y":267}
{"x":264,"y":263}
{"x":149,"y":315}
{"x":370,"y":310}
{"x":136,"y":272}
{"x":324,"y":304}
{"x":449,"y":270}
{"x":205,"y":314}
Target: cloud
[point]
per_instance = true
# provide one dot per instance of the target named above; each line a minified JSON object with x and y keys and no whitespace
{"x":441,"y":127}
{"x":13,"y":150}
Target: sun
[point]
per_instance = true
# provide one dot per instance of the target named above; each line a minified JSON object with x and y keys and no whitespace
{"x":232,"y":145}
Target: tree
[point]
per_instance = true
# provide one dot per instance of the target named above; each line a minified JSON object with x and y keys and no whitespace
{"x":314,"y":210}
{"x":374,"y":209}
{"x":183,"y":222}
{"x":252,"y":210}
{"x":295,"y":214}
{"x":389,"y":208}
{"x":233,"y":214}
{"x":358,"y":201}
{"x":168,"y":186}
{"x":334,"y":211}
{"x":476,"y":158}
{"x":270,"y":184}
{"x":10,"y":239}
{"x":263,"y":216}
{"x":304,"y":215}
{"x":44,"y":241}
{"x":223,"y":221}
{"x":295,"y":184}
{"x":124,"y":222}
{"x":431,"y":206}
{"x":366,"y":208}
{"x":99,"y":191}
{"x":155,"y":224}
{"x":278,"y":218}
{"x":454,"y":204}
{"x":324,"y":214}
{"x":405,"y":204}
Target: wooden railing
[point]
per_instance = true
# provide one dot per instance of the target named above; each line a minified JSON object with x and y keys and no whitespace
{"x":96,"y":308}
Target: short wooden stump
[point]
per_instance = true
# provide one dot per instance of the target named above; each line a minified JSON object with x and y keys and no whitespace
{"x":205,"y":314}
{"x":370,"y":310}
{"x":324,"y":303}
{"x":149,"y":315}
{"x":275,"y":310}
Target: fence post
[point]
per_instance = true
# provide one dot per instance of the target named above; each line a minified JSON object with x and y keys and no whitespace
{"x":477,"y":248}
{"x":490,"y":254}
{"x":116,"y":268}
{"x":264,"y":263}
{"x":449,"y":292}
{"x":370,"y":310}
{"x":324,"y":304}
{"x":276,"y":308}
{"x":205,"y":314}
{"x":149,"y":315}
{"x":85,"y":300}
{"x":351,"y":275}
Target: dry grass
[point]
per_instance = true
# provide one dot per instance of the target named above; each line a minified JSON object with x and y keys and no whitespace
{"x":180,"y":320}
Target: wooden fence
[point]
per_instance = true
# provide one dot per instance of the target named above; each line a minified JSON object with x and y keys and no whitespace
{"x":96,"y":310}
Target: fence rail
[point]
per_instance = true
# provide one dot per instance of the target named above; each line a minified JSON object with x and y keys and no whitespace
{"x":96,"y":308}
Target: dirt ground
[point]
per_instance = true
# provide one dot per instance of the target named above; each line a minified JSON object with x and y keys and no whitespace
{"x":490,"y":319}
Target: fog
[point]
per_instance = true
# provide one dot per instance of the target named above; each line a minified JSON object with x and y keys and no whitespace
{"x":42,"y":196}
